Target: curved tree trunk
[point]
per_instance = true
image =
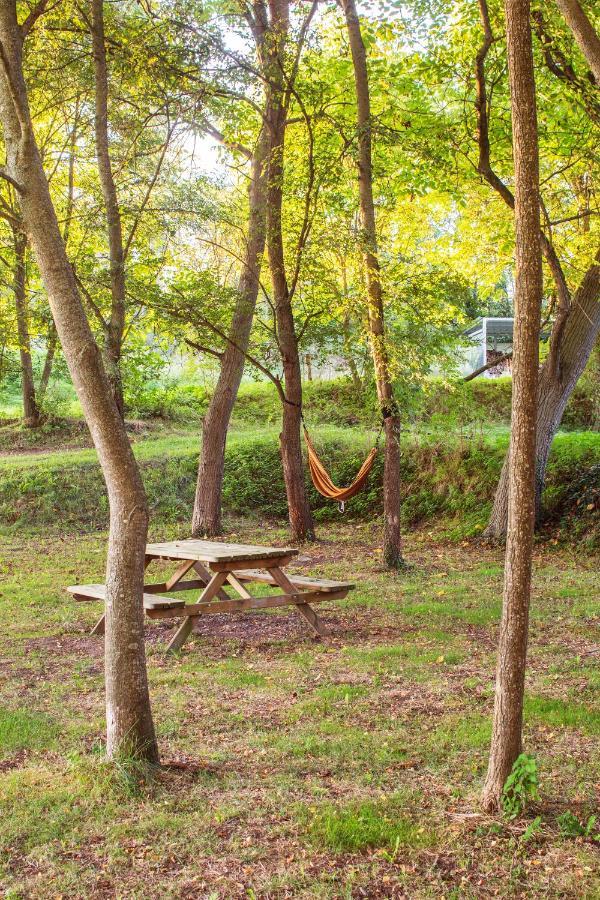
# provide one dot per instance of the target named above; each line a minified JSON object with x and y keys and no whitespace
{"x":392,"y":541}
{"x":584,"y":33}
{"x":206,"y":519}
{"x":291,"y":448}
{"x":514,"y":626}
{"x":129,"y":720}
{"x":577,"y":343}
{"x":31,"y":413}
{"x":115,"y":327}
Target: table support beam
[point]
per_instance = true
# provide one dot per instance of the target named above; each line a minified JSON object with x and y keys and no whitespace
{"x":211,"y":590}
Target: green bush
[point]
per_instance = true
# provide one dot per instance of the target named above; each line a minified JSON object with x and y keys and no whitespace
{"x":173,"y":401}
{"x":451,"y":479}
{"x":433,"y":405}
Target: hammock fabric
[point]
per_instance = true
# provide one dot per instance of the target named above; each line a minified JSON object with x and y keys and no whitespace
{"x":323,"y":482}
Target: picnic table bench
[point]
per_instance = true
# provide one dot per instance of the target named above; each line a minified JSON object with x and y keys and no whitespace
{"x":215,"y":566}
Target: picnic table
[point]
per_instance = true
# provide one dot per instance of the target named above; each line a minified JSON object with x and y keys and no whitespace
{"x":216,"y":566}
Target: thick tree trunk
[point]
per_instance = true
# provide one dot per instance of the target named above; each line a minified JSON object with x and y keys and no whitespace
{"x":512,"y":650}
{"x":115,"y":327}
{"x":577,"y":343}
{"x":129,"y":720}
{"x":206,"y":519}
{"x":31,"y":413}
{"x":392,"y":541}
{"x":583,"y":32}
{"x":291,"y":448}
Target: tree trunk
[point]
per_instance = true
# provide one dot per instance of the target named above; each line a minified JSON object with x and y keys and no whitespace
{"x":583,"y":32}
{"x":51,"y":343}
{"x":206,"y":519}
{"x":115,"y":327}
{"x":129,"y":720}
{"x":512,"y":650}
{"x":31,"y":413}
{"x":392,"y":541}
{"x":291,"y":448}
{"x":577,"y":343}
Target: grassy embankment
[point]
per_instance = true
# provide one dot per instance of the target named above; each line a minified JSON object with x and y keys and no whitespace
{"x":454,"y":442}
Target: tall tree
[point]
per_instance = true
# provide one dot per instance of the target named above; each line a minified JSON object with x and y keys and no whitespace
{"x":274,"y":50}
{"x":129,"y":719}
{"x":576,"y":323}
{"x":206,"y":519}
{"x":392,"y":549}
{"x":115,"y":326}
{"x":512,"y":651}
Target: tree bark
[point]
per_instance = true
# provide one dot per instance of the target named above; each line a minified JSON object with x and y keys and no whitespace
{"x":291,"y":448}
{"x":555,"y":387}
{"x":115,"y":327}
{"x":31,"y":413}
{"x":583,"y":32}
{"x":129,"y":721}
{"x":206,"y":519}
{"x":392,"y":541}
{"x":512,"y":650}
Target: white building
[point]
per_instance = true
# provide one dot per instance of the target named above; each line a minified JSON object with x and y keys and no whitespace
{"x":489,"y":340}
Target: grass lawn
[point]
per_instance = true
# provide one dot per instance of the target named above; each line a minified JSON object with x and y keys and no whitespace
{"x":348,"y":768}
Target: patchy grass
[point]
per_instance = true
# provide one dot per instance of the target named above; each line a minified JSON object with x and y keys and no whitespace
{"x":291,"y":768}
{"x":369,"y":825}
{"x":25,"y":730}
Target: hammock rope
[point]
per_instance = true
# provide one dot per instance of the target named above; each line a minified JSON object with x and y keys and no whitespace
{"x":322,"y":480}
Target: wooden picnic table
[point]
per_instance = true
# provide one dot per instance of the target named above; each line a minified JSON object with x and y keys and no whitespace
{"x":217,"y":566}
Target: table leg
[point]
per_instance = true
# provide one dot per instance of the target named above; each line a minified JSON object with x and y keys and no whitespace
{"x":206,"y":575}
{"x":305,"y":610}
{"x":211,"y":590}
{"x":99,"y":626}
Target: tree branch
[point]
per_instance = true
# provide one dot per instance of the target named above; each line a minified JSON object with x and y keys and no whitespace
{"x":487,"y":366}
{"x":19,"y":188}
{"x":203,"y":349}
{"x":484,"y":167}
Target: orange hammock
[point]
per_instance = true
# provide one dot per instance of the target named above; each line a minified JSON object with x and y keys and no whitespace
{"x":323,"y":482}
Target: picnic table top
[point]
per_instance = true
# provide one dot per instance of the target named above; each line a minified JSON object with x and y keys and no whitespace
{"x":216,"y":551}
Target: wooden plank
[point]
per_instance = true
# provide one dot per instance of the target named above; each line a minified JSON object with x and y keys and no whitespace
{"x":210,"y":591}
{"x":93,"y":592}
{"x":88,"y":591}
{"x":306,"y":611}
{"x":239,"y":587}
{"x":321,"y":584}
{"x":241,"y":564}
{"x":217,"y":606}
{"x":215,"y":551}
{"x":178,"y":575}
{"x":160,"y":587}
{"x":99,"y":626}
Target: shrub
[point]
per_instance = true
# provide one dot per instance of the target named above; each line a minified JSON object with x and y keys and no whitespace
{"x":451,"y":479}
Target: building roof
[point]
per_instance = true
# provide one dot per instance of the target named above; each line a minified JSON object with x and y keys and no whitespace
{"x":494,"y":327}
